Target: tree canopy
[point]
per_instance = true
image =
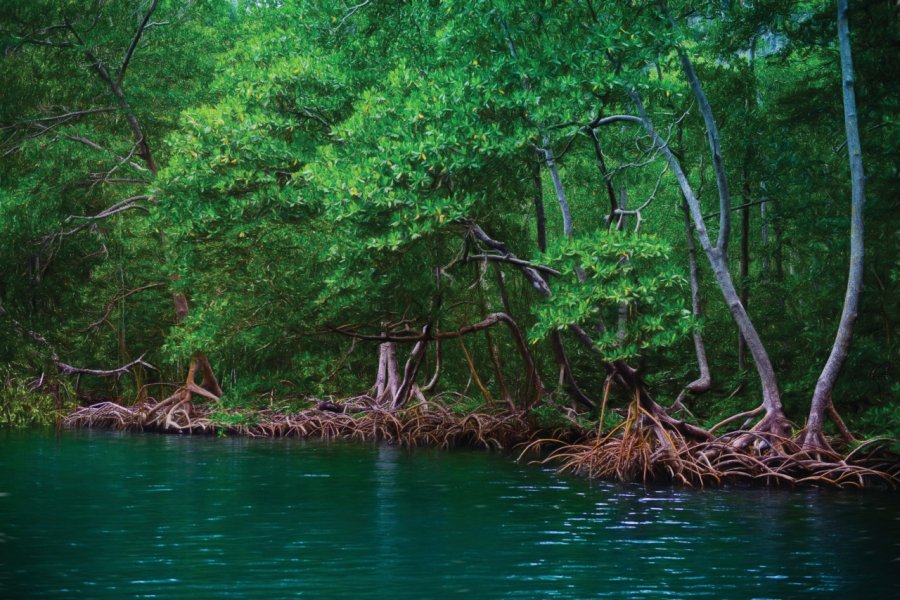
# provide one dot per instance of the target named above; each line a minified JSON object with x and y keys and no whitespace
{"x":627,"y":183}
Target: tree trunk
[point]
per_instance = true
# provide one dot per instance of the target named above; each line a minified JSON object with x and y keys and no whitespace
{"x":541,"y":220}
{"x":561,"y":197}
{"x":745,"y":262}
{"x":210,"y":383}
{"x":494,"y":352}
{"x":749,"y":102}
{"x":704,"y":382}
{"x":764,"y":239}
{"x":812,"y":437}
{"x":775,"y":421}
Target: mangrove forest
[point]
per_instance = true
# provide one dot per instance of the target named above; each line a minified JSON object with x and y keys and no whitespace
{"x":633,"y":240}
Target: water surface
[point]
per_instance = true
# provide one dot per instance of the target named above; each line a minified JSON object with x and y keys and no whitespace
{"x":106,"y":515}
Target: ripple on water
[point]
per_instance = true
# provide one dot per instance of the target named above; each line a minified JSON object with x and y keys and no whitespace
{"x":164,"y":516}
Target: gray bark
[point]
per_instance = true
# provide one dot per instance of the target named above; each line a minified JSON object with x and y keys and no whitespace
{"x":715,"y":148}
{"x":764,"y":238}
{"x":558,"y":188}
{"x":812,"y":436}
{"x":775,"y":420}
{"x":704,"y":382}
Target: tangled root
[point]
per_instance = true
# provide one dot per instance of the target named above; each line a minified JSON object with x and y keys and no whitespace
{"x":643,"y":448}
{"x":362,"y":420}
{"x":649,"y":450}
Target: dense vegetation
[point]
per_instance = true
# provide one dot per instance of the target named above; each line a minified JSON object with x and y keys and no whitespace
{"x":555,"y":206}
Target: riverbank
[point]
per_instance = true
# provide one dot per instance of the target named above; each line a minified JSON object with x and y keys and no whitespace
{"x":634,"y":451}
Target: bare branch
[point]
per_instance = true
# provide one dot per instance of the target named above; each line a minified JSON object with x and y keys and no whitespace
{"x":127,"y":204}
{"x":134,"y":42}
{"x":534,"y":277}
{"x":513,"y":261}
{"x":734,"y":208}
{"x":73,"y":114}
{"x":350,"y":13}
{"x":65,"y":368}
{"x":117,"y":372}
{"x":117,"y":298}
{"x":114,"y":209}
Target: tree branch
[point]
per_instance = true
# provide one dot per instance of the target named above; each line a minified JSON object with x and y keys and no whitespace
{"x":117,"y":372}
{"x":134,"y":42}
{"x":513,"y":261}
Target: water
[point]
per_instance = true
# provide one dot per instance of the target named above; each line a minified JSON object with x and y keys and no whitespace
{"x":105,"y":515}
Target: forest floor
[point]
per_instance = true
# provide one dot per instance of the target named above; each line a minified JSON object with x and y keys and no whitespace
{"x":635,"y":450}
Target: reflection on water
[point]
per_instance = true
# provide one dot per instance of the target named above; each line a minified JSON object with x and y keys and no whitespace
{"x":102,"y":515}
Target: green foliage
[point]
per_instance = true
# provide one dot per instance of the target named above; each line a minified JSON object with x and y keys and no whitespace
{"x":320,"y":169}
{"x":609,"y":272}
{"x":22,"y":406}
{"x":232,"y":418}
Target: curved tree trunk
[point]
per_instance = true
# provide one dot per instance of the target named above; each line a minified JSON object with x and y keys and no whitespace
{"x":812,"y":434}
{"x":775,"y":421}
{"x":704,"y":381}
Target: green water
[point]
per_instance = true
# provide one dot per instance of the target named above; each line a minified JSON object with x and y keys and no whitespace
{"x":104,"y":515}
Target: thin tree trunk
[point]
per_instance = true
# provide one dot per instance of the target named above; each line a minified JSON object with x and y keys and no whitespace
{"x":715,"y":148}
{"x":607,"y":178}
{"x":764,"y":239}
{"x":561,"y":197}
{"x":540,"y":218}
{"x":411,"y":370}
{"x":704,"y":382}
{"x":210,"y":383}
{"x":622,"y":325}
{"x":745,"y":262}
{"x":381,"y":378}
{"x":812,"y":437}
{"x":745,"y":210}
{"x":432,"y":383}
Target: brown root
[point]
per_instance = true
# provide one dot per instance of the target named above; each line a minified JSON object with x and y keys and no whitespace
{"x":647,"y":446}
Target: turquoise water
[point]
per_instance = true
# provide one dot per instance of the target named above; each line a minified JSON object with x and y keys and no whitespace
{"x":106,"y":515}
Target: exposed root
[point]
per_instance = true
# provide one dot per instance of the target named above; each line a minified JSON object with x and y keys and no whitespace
{"x":643,"y":448}
{"x":361,"y":419}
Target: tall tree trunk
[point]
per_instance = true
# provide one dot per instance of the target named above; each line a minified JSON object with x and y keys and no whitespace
{"x":704,"y":382}
{"x":749,"y":103}
{"x":764,"y":239}
{"x":493,"y":350}
{"x":540,"y":218}
{"x":745,"y":261}
{"x":812,"y":437}
{"x":775,"y":421}
{"x":114,"y":83}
